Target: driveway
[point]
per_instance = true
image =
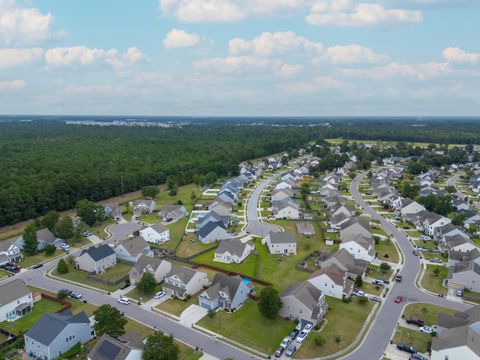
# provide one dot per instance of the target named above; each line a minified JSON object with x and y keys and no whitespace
{"x":122,"y":231}
{"x":192,"y":314}
{"x":95,"y":240}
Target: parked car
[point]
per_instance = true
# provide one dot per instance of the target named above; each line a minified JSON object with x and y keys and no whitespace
{"x":425,"y":238}
{"x":459,"y":293}
{"x":302,"y":336}
{"x":386,"y":281}
{"x":293,"y":334}
{"x":75,"y":295}
{"x":299,"y":326}
{"x":308,"y":328}
{"x":399,"y":299}
{"x":417,"y":356}
{"x":160,"y":294}
{"x":358,"y":292}
{"x":426,"y":329}
{"x":379,"y":282}
{"x":124,"y":286}
{"x":285,"y":342}
{"x":279,"y":352}
{"x":375,"y":298}
{"x":415,"y":252}
{"x":436,"y":260}
{"x":417,"y":322}
{"x":292,"y":349}
{"x":124,"y":300}
{"x":37,"y":266}
{"x":87,"y":233}
{"x":406,"y":348}
{"x":398,"y":278}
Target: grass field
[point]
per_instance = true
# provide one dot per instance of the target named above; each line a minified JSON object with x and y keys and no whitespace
{"x":344,"y":321}
{"x":248,"y":267}
{"x":184,"y":194}
{"x":137,"y":295}
{"x":374,"y":271}
{"x":176,"y":307}
{"x":472,"y":296}
{"x":420,"y":341}
{"x":426,"y":312}
{"x":433,"y":282}
{"x":248,"y":327}
{"x":190,"y":246}
{"x":386,"y":250}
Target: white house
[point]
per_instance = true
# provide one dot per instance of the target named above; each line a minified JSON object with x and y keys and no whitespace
{"x":15,"y":300}
{"x":233,"y":251}
{"x":332,"y":281}
{"x":96,"y":259}
{"x":212,"y":231}
{"x":283,"y":243}
{"x":361,"y":247}
{"x":157,"y":234}
{"x":182,"y":281}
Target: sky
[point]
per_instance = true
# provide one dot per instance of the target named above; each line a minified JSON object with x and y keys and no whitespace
{"x":240,"y":57}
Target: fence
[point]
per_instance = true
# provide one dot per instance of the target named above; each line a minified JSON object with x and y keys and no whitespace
{"x":10,"y":338}
{"x":66,"y":304}
{"x":108,"y":281}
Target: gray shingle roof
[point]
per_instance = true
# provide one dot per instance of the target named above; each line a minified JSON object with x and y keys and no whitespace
{"x":12,"y":291}
{"x":98,"y":253}
{"x":209,"y":227}
{"x":109,"y":348}
{"x":284,"y":237}
{"x":234,"y":247}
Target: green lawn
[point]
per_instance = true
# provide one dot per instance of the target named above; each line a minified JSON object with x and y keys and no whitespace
{"x":248,"y":327}
{"x":176,"y":307}
{"x":184,"y":194}
{"x":372,"y":288}
{"x":248,"y":267}
{"x":4,"y":274}
{"x":24,"y":323}
{"x":386,"y":250}
{"x":190,"y":246}
{"x":374,"y":271}
{"x":433,"y":282}
{"x":99,"y":228}
{"x":81,"y":276}
{"x":472,"y":296}
{"x":137,"y":295}
{"x":426,"y":312}
{"x":344,"y":320}
{"x":420,"y":341}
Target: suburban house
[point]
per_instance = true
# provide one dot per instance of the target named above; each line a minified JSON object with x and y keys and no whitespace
{"x":157,"y":234}
{"x":182,"y":281}
{"x":233,"y":251}
{"x":457,"y":243}
{"x":155,"y":266}
{"x":361,"y":247}
{"x":355,"y":227}
{"x":460,"y":204}
{"x":303,"y":301}
{"x":282,"y":194}
{"x":15,"y":300}
{"x":332,"y":281}
{"x":465,"y":275}
{"x":125,"y":347}
{"x":9,"y":252}
{"x":44,"y":238}
{"x":144,"y":206}
{"x":54,"y":334}
{"x":212,"y":231}
{"x":305,"y":228}
{"x":172,"y":212}
{"x":221,"y":208}
{"x":131,"y":249}
{"x":96,"y":259}
{"x":112,"y":211}
{"x":226,"y":293}
{"x":442,"y":232}
{"x":347,"y":262}
{"x":286,"y":184}
{"x":211,"y":216}
{"x":409,"y":206}
{"x":458,"y":336}
{"x":327,"y":190}
{"x":281,"y":243}
{"x":431,"y":222}
{"x":455,"y":257}
{"x":227,"y":196}
{"x":286,"y":209}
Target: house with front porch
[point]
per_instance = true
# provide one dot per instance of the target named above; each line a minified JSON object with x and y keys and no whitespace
{"x":303,"y":301}
{"x":182,"y":281}
{"x":225,"y":293}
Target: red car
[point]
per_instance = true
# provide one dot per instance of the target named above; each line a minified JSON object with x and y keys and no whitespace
{"x":399,"y":299}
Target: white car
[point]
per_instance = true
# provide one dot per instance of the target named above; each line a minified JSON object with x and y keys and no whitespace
{"x":426,"y":329}
{"x":124,"y":300}
{"x":301,"y":337}
{"x":299,"y":326}
{"x":358,"y":292}
{"x":285,"y":342}
{"x":160,"y":294}
{"x":308,"y":328}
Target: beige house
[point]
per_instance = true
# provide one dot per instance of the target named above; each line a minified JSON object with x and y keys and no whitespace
{"x":96,"y":259}
{"x":182,"y":281}
{"x":283,"y":243}
{"x":157,"y":267}
{"x":302,"y":301}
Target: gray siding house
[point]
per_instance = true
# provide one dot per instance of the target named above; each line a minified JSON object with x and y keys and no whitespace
{"x":212,"y":231}
{"x":96,"y":259}
{"x":132,"y":249}
{"x":226,"y":292}
{"x":303,"y":301}
{"x":54,"y":334}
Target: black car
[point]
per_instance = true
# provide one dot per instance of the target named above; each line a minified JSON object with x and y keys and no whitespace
{"x":416,"y":322}
{"x":124,"y":286}
{"x":406,"y":348}
{"x":398,"y":278}
{"x":417,"y":357}
{"x":37,"y":266}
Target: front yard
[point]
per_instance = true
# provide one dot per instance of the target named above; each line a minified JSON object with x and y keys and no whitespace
{"x":344,"y":323}
{"x":137,"y":295}
{"x":111,"y":274}
{"x":175,"y":306}
{"x":420,"y":341}
{"x":374,"y":271}
{"x":387,"y":251}
{"x":434,"y":282}
{"x":248,"y":327}
{"x":426,"y":312}
{"x":472,"y":296}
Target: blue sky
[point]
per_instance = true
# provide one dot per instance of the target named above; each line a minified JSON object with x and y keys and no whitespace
{"x":240,"y":57}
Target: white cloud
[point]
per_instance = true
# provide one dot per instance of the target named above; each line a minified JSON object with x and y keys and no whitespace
{"x":267,"y":44}
{"x":319,"y":83}
{"x":457,"y":55}
{"x":19,"y":57}
{"x":83,"y":56}
{"x":352,"y":54}
{"x":346,"y":13}
{"x":13,"y":85}
{"x":194,"y":11}
{"x":98,"y":90}
{"x":247,"y":66}
{"x":180,"y":39}
{"x":421,"y":71}
{"x":23,"y":25}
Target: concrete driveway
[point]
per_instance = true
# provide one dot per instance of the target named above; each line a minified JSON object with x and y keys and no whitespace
{"x":95,"y":240}
{"x":192,"y":314}
{"x":122,"y":231}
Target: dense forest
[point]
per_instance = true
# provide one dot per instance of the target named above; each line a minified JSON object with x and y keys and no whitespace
{"x":47,"y":164}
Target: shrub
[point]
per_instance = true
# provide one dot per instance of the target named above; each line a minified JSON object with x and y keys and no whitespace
{"x":338,"y":339}
{"x":62,"y":267}
{"x":362,"y":300}
{"x":319,"y":340}
{"x":50,"y":249}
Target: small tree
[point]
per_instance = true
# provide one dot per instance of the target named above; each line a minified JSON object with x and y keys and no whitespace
{"x":269,"y":303}
{"x":50,"y":220}
{"x":211,"y":313}
{"x":62,"y":267}
{"x":147,"y":284}
{"x":319,"y":340}
{"x":109,"y":320}
{"x":30,"y":242}
{"x":358,"y":281}
{"x":384,"y":267}
{"x":50,"y":249}
{"x":150,"y":191}
{"x":64,"y":228}
{"x":362,"y":300}
{"x":62,"y":294}
{"x":172,"y":192}
{"x":160,"y":347}
{"x":436,"y":271}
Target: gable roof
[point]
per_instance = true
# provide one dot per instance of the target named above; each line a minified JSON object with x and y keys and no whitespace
{"x":234,"y":247}
{"x":12,"y":291}
{"x":209,"y":227}
{"x":284,"y":237}
{"x":227,"y":284}
{"x":46,"y":235}
{"x":50,"y":326}
{"x":333,"y":272}
{"x":145,"y":261}
{"x":304,"y":292}
{"x":183,"y":273}
{"x":135,"y":246}
{"x":110,"y":348}
{"x":98,"y":253}
{"x":159,"y":228}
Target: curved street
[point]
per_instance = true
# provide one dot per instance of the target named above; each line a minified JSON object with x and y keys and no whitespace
{"x":385,"y":322}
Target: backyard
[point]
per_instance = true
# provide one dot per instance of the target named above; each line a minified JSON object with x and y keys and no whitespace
{"x":248,"y":267}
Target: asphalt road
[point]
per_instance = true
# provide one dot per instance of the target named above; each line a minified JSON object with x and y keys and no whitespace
{"x":122,"y":231}
{"x":452,"y":181}
{"x":384,"y":324}
{"x":255,"y":226}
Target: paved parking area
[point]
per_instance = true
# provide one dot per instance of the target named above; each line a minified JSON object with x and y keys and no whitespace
{"x":121,"y":231}
{"x":192,"y":314}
